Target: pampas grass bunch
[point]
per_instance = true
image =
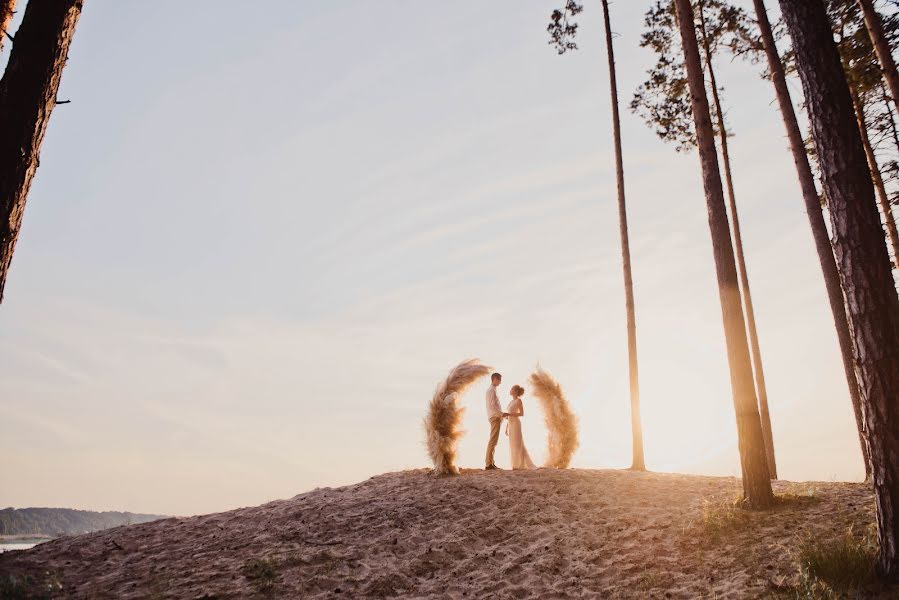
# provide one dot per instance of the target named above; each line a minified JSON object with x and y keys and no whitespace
{"x":442,"y":424}
{"x":561,"y":422}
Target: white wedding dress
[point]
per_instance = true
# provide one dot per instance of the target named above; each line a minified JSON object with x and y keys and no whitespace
{"x":520,"y":457}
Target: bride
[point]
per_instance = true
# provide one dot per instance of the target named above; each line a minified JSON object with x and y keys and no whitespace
{"x":520,"y":457}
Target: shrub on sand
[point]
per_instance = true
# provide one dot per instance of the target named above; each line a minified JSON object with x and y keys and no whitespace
{"x":262,"y":573}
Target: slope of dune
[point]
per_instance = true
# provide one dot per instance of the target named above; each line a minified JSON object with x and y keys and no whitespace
{"x":544,"y":533}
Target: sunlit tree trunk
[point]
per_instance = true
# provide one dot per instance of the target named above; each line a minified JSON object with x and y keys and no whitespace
{"x":760,"y":387}
{"x":874,"y":25}
{"x":861,"y":255}
{"x":753,"y":458}
{"x":816,"y":220}
{"x":883,"y":199}
{"x":6,"y":9}
{"x":891,"y":110}
{"x":638,"y":464}
{"x":27,"y":97}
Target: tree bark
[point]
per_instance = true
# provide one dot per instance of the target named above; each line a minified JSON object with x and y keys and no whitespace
{"x":27,"y":97}
{"x":753,"y":458}
{"x":638,"y":461}
{"x":891,"y":110}
{"x":760,"y":387}
{"x":883,"y":199}
{"x":816,"y":221}
{"x":6,"y":10}
{"x":874,"y":25}
{"x":861,"y":255}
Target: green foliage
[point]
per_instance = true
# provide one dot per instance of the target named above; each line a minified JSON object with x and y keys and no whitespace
{"x":54,"y":522}
{"x":856,"y":50}
{"x":663,"y":100}
{"x":863,"y":74}
{"x":562,"y":28}
{"x":865,"y":78}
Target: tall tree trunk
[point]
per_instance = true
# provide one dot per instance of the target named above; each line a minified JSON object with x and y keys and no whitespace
{"x":874,"y":26}
{"x":883,"y":199}
{"x":6,"y":9}
{"x":27,"y":97}
{"x":753,"y":459}
{"x":861,"y":254}
{"x":638,"y":463}
{"x":760,"y":387}
{"x":891,"y":111}
{"x":816,"y":221}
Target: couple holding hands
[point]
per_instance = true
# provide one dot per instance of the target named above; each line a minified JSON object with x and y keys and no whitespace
{"x":514,"y":411}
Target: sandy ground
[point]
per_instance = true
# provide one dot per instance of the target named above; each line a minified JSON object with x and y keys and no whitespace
{"x":544,"y":533}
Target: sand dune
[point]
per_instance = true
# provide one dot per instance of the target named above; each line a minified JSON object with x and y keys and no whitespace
{"x":544,"y":533}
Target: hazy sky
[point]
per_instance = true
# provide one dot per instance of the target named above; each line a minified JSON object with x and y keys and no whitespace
{"x":259,"y":237}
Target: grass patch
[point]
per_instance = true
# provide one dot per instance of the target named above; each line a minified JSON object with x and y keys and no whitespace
{"x":719,"y":517}
{"x":649,"y":580}
{"x":834,"y":568}
{"x":807,"y":589}
{"x":262,"y":573}
{"x":797,"y":495}
{"x":841,"y":563}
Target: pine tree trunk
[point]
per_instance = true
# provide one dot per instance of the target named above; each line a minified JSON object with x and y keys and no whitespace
{"x":880,"y":190}
{"x":6,"y":10}
{"x":753,"y":458}
{"x":760,"y":387}
{"x":638,"y":463}
{"x":891,"y":110}
{"x":884,"y":54}
{"x":27,"y":97}
{"x":816,"y":221}
{"x":861,"y":255}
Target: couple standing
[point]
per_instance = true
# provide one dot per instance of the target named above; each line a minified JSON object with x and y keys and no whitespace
{"x":514,"y":411}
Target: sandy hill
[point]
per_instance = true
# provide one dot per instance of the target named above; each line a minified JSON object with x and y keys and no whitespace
{"x":545,"y":533}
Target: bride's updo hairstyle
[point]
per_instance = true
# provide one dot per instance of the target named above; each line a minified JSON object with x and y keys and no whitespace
{"x":517,"y":390}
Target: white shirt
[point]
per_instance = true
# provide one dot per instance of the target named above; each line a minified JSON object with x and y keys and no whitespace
{"x":494,"y":410}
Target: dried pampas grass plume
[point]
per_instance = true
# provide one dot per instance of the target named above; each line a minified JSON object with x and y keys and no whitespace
{"x":561,"y":422}
{"x":445,"y":415}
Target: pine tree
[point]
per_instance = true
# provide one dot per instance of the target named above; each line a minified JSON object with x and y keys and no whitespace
{"x":7,"y":7}
{"x":663,"y":102}
{"x":562,"y":31}
{"x":753,"y":456}
{"x":861,"y":254}
{"x":815,"y":217}
{"x":881,"y":46}
{"x":27,"y":98}
{"x":638,"y":463}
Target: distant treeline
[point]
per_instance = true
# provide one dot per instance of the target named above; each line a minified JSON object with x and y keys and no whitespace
{"x":54,"y":522}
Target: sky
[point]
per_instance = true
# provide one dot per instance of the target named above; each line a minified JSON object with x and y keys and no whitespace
{"x":259,"y":238}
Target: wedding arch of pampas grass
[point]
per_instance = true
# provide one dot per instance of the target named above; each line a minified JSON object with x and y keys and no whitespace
{"x":443,"y":423}
{"x":561,"y":422}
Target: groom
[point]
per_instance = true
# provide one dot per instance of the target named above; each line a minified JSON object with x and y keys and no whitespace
{"x":495,"y":415}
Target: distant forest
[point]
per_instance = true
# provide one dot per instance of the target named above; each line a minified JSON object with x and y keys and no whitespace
{"x":54,"y":522}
